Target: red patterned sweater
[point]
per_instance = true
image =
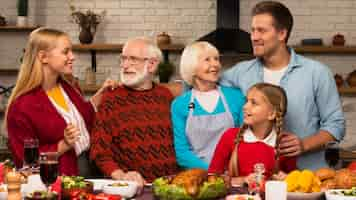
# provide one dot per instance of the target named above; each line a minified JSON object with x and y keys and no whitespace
{"x":132,"y":131}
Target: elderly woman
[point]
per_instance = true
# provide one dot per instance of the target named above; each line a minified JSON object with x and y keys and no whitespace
{"x":202,"y":114}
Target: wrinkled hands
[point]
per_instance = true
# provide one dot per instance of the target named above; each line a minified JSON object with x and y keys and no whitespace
{"x":130,"y":176}
{"x":290,"y":145}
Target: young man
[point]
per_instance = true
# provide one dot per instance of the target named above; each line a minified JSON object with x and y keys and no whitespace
{"x":132,"y":137}
{"x":314,"y":115}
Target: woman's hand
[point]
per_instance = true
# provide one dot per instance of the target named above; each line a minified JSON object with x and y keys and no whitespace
{"x":71,"y":134}
{"x":109,"y":83}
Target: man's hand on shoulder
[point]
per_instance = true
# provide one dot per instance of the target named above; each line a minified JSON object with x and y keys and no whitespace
{"x":290,"y":145}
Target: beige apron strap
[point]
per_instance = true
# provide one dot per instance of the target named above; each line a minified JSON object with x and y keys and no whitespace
{"x":233,"y":163}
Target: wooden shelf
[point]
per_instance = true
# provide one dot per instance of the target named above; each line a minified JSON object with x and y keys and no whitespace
{"x":18,"y":28}
{"x":118,"y":47}
{"x":347,"y":155}
{"x":97,"y":47}
{"x":347,"y":91}
{"x":93,"y":48}
{"x":172,"y":47}
{"x":325,"y":49}
{"x":5,"y":71}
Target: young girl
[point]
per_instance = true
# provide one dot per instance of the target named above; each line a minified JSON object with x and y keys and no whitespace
{"x":239,"y":149}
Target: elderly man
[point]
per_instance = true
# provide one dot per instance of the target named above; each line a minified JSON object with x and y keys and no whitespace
{"x":132,"y":137}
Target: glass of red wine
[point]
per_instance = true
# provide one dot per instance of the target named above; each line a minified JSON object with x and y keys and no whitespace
{"x":332,"y":154}
{"x":31,"y":153}
{"x":48,"y":168}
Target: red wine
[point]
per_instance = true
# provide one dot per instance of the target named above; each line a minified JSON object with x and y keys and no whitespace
{"x":31,"y":155}
{"x":332,"y":156}
{"x":49,"y":172}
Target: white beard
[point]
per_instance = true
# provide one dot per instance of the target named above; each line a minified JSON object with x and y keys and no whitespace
{"x":139,"y":78}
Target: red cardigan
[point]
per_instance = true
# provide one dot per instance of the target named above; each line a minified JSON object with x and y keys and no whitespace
{"x":248,"y":155}
{"x":33,"y":115}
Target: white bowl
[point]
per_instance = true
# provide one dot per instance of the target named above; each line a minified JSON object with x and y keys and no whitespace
{"x":98,"y":184}
{"x":331,"y":196}
{"x":242,"y":196}
{"x":127,"y":191}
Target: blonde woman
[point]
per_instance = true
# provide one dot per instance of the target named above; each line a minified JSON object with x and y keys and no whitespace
{"x":43,"y":105}
{"x":202,"y":114}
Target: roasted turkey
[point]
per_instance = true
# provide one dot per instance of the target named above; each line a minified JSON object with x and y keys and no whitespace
{"x":191,"y":180}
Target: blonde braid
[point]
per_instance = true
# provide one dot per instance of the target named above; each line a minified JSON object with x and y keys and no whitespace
{"x":279,"y":122}
{"x":233,"y":167}
{"x":278,"y":127}
{"x":239,"y":136}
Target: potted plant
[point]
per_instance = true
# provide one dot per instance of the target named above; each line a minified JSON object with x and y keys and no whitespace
{"x":87,"y":22}
{"x":22,"y":11}
{"x":165,"y":71}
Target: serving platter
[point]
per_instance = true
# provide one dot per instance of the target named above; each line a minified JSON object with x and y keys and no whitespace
{"x":337,"y":195}
{"x":305,"y":196}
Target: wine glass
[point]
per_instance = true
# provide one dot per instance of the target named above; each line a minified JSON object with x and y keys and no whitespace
{"x":30,"y":153}
{"x":332,"y":154}
{"x":48,"y":168}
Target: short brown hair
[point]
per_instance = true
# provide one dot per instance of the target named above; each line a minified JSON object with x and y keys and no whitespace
{"x":283,"y":18}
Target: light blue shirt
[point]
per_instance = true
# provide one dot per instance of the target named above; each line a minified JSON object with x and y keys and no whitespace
{"x":186,"y":158}
{"x":313,"y":100}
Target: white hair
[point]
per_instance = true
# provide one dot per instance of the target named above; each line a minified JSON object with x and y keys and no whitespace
{"x":189,"y":59}
{"x":153,"y":51}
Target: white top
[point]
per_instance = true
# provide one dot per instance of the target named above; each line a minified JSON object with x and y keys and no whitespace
{"x":208,"y":100}
{"x":73,"y":116}
{"x":273,"y":76}
{"x":270,"y":140}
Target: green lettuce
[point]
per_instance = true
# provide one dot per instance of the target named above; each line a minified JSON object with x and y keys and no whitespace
{"x":209,"y":190}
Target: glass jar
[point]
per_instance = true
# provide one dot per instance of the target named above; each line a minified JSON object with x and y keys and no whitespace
{"x":256,"y":186}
